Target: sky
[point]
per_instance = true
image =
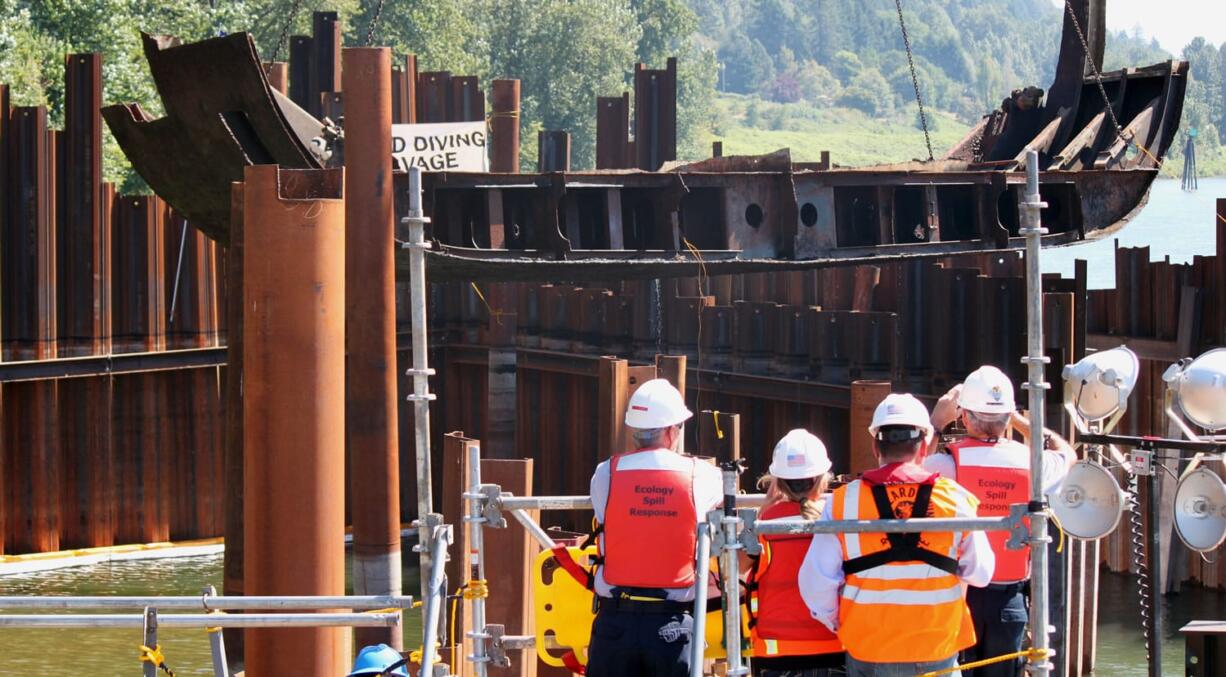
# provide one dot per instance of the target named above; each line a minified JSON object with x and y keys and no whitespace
{"x":1173,"y":22}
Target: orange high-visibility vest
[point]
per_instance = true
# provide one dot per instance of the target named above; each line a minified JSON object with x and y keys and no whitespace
{"x":905,"y":610}
{"x":999,"y":476}
{"x":650,"y":526}
{"x":782,"y":625}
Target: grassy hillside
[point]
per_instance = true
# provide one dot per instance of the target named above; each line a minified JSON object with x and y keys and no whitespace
{"x":750,"y":126}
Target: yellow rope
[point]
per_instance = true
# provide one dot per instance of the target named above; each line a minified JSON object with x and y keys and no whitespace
{"x":476,"y":589}
{"x":702,"y":293}
{"x":1029,"y":654}
{"x":496,"y":314}
{"x":156,"y":657}
{"x":455,"y":602}
{"x":216,"y":628}
{"x":1059,"y":528}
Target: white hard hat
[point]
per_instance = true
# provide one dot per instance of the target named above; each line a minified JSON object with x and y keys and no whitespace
{"x":903,"y":410}
{"x":799,"y":455}
{"x":656,"y":404}
{"x":987,"y":391}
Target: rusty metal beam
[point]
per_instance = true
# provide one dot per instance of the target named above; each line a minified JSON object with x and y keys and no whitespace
{"x":293,"y":391}
{"x":655,"y":115}
{"x":325,"y":73}
{"x":370,"y":333}
{"x":84,"y":242}
{"x":612,"y":130}
{"x":504,"y":127}
{"x":105,"y":365}
{"x":553,"y":152}
{"x":232,"y":443}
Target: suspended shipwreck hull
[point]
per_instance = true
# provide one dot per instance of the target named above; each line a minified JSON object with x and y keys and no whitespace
{"x":734,"y":214}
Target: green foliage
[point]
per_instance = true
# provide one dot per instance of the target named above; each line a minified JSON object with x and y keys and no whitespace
{"x":868,"y":92}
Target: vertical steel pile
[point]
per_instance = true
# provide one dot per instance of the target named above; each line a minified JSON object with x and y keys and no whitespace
{"x":294,"y":373}
{"x":370,"y":333}
{"x":84,"y":309}
{"x":655,"y":115}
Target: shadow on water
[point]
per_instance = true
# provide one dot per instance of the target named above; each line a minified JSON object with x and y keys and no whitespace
{"x":105,"y":652}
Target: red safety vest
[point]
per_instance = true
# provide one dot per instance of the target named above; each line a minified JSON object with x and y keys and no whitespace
{"x":782,"y":625}
{"x":998,"y":473}
{"x":650,"y":526}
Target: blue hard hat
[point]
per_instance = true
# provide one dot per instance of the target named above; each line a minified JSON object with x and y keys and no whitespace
{"x":376,"y":659}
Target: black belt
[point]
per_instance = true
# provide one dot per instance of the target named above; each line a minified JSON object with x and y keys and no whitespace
{"x":1008,"y":587}
{"x":663,"y":606}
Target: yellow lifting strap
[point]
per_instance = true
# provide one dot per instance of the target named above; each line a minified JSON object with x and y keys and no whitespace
{"x":1028,"y":654}
{"x":156,"y":657}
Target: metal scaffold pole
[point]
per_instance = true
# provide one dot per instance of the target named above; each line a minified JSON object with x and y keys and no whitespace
{"x":417,"y":246}
{"x":1035,"y":384}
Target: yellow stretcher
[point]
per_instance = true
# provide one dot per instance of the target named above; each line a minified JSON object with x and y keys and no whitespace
{"x":564,"y":614}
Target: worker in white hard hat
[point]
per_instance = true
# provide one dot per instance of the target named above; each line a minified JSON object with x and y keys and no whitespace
{"x":996,"y":469}
{"x":896,"y":600}
{"x":787,"y":640}
{"x":648,"y":503}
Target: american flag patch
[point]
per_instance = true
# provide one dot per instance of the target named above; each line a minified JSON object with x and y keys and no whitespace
{"x":796,"y":460}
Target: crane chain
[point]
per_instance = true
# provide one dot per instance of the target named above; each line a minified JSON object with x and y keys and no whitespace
{"x":289,"y":21}
{"x":919,"y":100}
{"x":374,"y":23}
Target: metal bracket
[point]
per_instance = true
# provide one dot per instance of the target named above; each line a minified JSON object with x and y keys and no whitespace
{"x":715,"y":519}
{"x":748,"y":537}
{"x":434,"y":529}
{"x":496,"y":652}
{"x":1019,"y":532}
{"x":491,"y":508}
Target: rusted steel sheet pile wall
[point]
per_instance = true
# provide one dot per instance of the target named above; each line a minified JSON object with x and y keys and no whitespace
{"x":1164,"y":312}
{"x":781,"y":349}
{"x":87,"y":278}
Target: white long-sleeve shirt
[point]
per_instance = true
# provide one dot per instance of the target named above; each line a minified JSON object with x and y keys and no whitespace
{"x":820,"y":577}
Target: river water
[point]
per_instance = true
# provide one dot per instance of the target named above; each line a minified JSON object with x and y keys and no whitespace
{"x":1174,"y":223}
{"x":1121,"y":649}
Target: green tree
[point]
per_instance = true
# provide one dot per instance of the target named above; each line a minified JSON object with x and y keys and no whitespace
{"x":868,"y":92}
{"x":846,"y":66}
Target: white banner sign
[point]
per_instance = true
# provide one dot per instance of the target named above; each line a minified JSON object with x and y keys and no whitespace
{"x":441,"y":146}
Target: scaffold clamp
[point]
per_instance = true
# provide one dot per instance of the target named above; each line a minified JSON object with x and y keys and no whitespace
{"x":491,"y":509}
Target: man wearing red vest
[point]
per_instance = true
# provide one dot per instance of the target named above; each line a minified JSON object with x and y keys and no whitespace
{"x":648,"y":504}
{"x":896,"y":600}
{"x":997,"y":470}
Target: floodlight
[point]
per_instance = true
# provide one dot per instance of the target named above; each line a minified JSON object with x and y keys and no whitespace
{"x":1089,"y":503}
{"x":1199,"y":388}
{"x":1098,"y":386}
{"x":1200,"y":510}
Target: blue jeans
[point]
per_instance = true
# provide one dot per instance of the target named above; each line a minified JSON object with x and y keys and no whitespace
{"x":857,"y":668}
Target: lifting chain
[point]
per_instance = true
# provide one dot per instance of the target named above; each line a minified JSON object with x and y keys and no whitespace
{"x":374,"y":23}
{"x":1098,"y":77}
{"x":289,"y":21}
{"x":1145,"y":586}
{"x":919,"y":100}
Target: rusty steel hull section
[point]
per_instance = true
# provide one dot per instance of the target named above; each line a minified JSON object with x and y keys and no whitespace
{"x":293,"y":420}
{"x":220,"y":117}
